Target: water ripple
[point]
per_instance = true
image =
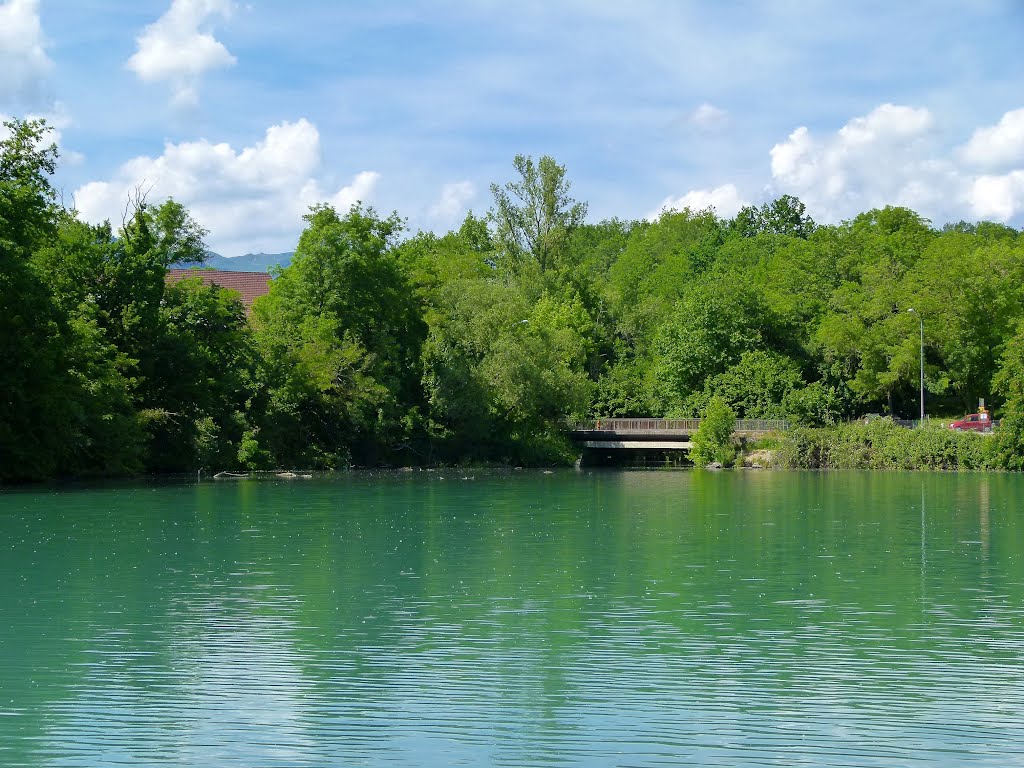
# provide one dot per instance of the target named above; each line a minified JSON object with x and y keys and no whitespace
{"x":609,"y":620}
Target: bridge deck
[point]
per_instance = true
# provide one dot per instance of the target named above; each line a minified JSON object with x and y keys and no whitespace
{"x":632,"y":430}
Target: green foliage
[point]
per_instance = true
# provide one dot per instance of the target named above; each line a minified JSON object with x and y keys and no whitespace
{"x":759,"y":385}
{"x":204,"y":368}
{"x":534,"y":217}
{"x":34,"y":385}
{"x":112,"y":373}
{"x":713,"y":441}
{"x":27,"y":200}
{"x":656,"y":267}
{"x":340,"y":334}
{"x":707,"y":332}
{"x":622,"y":390}
{"x":1009,"y":384}
{"x":478,"y":344}
{"x":785,"y":216}
{"x":817,"y":404}
{"x":431,"y":262}
{"x":500,"y":376}
{"x":884,"y":445}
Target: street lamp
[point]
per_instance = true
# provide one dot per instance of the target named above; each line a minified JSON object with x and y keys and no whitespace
{"x":921,"y":321}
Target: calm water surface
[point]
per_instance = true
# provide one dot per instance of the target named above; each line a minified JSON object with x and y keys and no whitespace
{"x":517,"y":619}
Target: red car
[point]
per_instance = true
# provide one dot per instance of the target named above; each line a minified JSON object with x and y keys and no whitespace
{"x":977,"y":422}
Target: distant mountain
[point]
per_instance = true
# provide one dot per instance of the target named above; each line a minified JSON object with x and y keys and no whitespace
{"x":250,"y":262}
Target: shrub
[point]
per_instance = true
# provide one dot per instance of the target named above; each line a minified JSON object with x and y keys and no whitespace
{"x":713,"y":441}
{"x":884,"y":445}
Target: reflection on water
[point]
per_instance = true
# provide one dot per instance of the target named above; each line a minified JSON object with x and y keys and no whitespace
{"x":636,"y":618}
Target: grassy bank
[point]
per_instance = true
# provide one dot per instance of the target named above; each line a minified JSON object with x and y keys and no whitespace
{"x":884,"y":445}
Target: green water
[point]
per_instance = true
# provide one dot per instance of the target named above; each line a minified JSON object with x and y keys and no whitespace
{"x":516,"y":619}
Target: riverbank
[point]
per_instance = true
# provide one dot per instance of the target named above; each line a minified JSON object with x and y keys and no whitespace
{"x":884,"y":445}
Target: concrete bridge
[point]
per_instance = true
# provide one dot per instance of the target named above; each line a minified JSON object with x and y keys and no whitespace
{"x":658,"y":434}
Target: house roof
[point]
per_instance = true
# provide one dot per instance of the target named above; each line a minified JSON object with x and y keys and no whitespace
{"x":250,"y":285}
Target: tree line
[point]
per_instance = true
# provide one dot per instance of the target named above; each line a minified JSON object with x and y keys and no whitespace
{"x":377,"y":346}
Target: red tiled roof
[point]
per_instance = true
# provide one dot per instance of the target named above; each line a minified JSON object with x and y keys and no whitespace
{"x":249,"y":284}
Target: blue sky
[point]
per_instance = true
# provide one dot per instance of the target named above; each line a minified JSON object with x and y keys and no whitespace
{"x":248,"y":112}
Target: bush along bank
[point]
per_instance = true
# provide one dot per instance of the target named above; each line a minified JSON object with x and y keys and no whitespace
{"x":883,"y":444}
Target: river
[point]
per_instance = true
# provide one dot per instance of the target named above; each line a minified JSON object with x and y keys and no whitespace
{"x":461,"y":617}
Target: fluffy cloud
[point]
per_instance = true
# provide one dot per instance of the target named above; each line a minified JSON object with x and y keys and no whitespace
{"x":997,"y":197}
{"x":177,"y":50}
{"x":453,"y":202}
{"x":250,"y":199}
{"x":725,"y":200}
{"x":892,"y":157}
{"x":882,"y":158}
{"x":1000,"y":145}
{"x":23,"y":59}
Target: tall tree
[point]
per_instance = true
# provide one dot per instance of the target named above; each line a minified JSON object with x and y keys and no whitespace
{"x":786,"y":215}
{"x":534,"y":216}
{"x":33,"y":381}
{"x":341,"y":331}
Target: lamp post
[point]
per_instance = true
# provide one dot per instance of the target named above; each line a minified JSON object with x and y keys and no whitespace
{"x":921,"y":321}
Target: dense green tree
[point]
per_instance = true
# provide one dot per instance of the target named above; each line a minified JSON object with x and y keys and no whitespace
{"x":707,"y":332}
{"x":1009,"y":384}
{"x":758,"y":386}
{"x":104,"y":431}
{"x":431,"y":262}
{"x":33,"y":379}
{"x":501,"y":375}
{"x":970,"y":291}
{"x":865,"y":337}
{"x":479,"y":343}
{"x":204,"y":363}
{"x":657,"y":266}
{"x":116,"y":288}
{"x":341,"y":333}
{"x":534,"y":216}
{"x":786,"y":215}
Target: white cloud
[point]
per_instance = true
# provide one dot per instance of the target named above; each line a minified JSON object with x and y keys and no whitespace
{"x":725,"y":200}
{"x":708,"y":117}
{"x":250,"y":199}
{"x":887,"y":157}
{"x":1000,"y":145}
{"x":893,"y":156}
{"x":23,"y":59}
{"x":997,"y":197}
{"x":872,"y":160}
{"x":177,"y":49}
{"x":361,"y":189}
{"x":453,"y":202}
{"x":889,"y":122}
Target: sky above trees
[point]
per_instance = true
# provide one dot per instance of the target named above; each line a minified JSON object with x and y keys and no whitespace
{"x":250,"y":112}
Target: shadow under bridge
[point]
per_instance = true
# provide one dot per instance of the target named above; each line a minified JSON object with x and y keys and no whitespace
{"x":658,"y":434}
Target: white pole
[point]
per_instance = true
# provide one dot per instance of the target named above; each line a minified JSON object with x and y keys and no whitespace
{"x":920,"y":320}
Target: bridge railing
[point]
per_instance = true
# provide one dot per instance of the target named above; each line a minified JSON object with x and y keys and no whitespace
{"x":761,"y":425}
{"x":686,"y":426}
